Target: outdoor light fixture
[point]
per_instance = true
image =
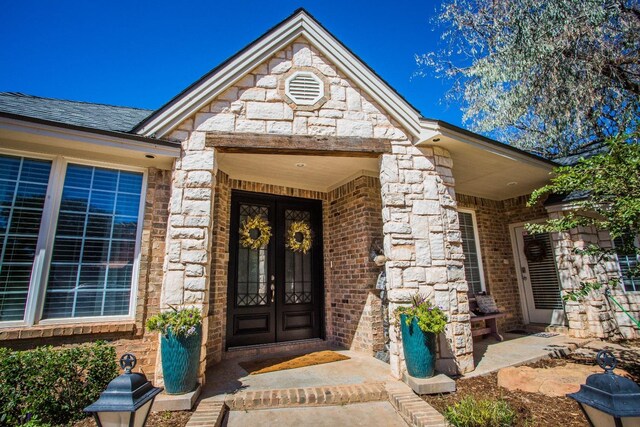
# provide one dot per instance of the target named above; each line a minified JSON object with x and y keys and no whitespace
{"x":127,"y":400}
{"x":609,"y":400}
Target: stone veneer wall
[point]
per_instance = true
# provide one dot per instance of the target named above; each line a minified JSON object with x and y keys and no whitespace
{"x":595,"y":316}
{"x":493,"y":219}
{"x":422,"y":238}
{"x":354,"y":221}
{"x":126,"y":336}
{"x":423,"y":247}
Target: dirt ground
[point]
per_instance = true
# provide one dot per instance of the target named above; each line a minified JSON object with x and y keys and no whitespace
{"x":156,"y":419}
{"x":536,"y":409}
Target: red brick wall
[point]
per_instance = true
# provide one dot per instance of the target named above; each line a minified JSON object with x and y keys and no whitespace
{"x":354,"y":220}
{"x":351,"y":218}
{"x":493,"y":219}
{"x":126,"y":336}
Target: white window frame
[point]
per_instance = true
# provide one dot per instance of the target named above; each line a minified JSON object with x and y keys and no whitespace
{"x":44,"y":246}
{"x":483,"y":285}
{"x":636,"y":242}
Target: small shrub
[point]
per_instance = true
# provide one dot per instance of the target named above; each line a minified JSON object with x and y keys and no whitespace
{"x":470,"y":412}
{"x":52,"y":386}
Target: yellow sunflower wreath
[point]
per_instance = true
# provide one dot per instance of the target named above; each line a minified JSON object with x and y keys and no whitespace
{"x":255,"y":232}
{"x":299,"y":237}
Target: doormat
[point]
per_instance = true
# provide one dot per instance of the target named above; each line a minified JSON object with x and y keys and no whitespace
{"x":254,"y":367}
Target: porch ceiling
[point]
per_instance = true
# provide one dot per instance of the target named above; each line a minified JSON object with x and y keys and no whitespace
{"x":492,"y":172}
{"x":319,"y":173}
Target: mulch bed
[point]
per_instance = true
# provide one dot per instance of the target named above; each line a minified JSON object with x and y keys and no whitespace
{"x":533,"y":409}
{"x":156,"y":419}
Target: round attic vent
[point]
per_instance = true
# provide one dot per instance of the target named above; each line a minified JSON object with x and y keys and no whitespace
{"x":304,"y":88}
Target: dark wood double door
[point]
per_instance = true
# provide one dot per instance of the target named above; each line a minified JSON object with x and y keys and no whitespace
{"x":275,"y":293}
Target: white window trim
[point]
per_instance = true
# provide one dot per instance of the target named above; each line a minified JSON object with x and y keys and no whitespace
{"x":483,"y":285}
{"x":636,"y":241}
{"x":44,"y":246}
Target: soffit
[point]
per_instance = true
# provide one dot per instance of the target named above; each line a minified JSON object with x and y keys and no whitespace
{"x":495,"y":175}
{"x":319,"y":173}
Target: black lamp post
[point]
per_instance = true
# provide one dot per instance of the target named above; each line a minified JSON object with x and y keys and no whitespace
{"x":609,"y":399}
{"x":127,"y":400}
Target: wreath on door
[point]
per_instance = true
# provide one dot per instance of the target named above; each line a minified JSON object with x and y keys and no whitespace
{"x":299,"y":237}
{"x":535,"y":250}
{"x":255,"y":232}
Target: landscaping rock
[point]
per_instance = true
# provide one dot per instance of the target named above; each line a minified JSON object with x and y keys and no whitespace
{"x":553,"y":382}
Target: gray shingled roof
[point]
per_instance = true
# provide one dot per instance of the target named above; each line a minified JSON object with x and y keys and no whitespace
{"x":85,"y":114}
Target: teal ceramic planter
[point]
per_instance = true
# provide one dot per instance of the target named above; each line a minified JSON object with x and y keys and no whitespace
{"x":180,"y":361}
{"x":419,"y":349}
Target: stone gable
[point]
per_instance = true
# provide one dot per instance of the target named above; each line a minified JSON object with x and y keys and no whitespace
{"x":258,"y":104}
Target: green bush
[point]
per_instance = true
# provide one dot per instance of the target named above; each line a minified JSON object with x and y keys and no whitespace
{"x":470,"y":412}
{"x":52,"y":386}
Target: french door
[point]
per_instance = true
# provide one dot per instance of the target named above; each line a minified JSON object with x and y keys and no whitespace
{"x":275,"y":269}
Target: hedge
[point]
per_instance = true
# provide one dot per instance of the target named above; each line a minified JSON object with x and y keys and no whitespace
{"x":52,"y":386}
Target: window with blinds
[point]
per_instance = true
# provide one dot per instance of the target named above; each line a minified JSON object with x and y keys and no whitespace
{"x":23,"y":187}
{"x":627,"y":263}
{"x":89,"y":240}
{"x":94,"y":248}
{"x":472,"y":261}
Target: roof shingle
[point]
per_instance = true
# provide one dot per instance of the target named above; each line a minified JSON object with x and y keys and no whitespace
{"x":85,"y":114}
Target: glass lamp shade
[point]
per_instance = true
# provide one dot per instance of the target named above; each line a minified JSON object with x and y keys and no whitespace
{"x":124,"y":419}
{"x":599,"y":418}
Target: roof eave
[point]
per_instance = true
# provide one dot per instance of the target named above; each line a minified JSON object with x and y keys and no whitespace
{"x":225,"y":75}
{"x":163,"y":147}
{"x":432,"y":126}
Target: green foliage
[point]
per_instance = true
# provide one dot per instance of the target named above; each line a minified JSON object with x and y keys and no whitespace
{"x":470,"y":412}
{"x":610,"y":187}
{"x":430,"y":318}
{"x":548,"y":77}
{"x":52,"y":386}
{"x":182,"y":322}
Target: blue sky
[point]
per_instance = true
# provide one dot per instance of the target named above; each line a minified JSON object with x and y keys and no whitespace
{"x":142,"y":53}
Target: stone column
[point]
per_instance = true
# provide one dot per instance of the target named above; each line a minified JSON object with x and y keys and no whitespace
{"x":423,"y":246}
{"x":188,"y":259}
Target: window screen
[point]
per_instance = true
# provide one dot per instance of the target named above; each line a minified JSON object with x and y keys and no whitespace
{"x":627,"y":262}
{"x":472,"y":268}
{"x":23,"y":187}
{"x":94,"y":248}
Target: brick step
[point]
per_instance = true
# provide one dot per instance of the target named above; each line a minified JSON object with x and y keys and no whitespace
{"x":209,"y":413}
{"x":308,"y":396}
{"x":415,"y":411}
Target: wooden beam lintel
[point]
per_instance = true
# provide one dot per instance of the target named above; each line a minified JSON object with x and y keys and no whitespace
{"x":298,"y":145}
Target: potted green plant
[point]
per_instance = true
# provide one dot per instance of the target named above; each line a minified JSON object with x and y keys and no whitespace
{"x":180,"y":340}
{"x":420,"y":324}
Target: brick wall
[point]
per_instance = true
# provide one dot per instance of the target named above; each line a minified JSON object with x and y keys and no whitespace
{"x":355,"y":220}
{"x":126,"y":336}
{"x":351,"y":218}
{"x":493,"y":219}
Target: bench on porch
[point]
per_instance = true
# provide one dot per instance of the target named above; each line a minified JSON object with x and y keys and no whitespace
{"x":490,"y":321}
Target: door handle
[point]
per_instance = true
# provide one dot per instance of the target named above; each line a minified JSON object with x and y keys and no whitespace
{"x":273,"y":288}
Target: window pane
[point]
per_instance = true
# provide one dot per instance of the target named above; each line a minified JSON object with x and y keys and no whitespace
{"x":94,"y":248}
{"x":23,"y":186}
{"x":627,"y":263}
{"x":471,"y":257}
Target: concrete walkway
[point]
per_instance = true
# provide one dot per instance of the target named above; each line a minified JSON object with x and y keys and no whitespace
{"x":358,"y":414}
{"x":491,"y":355}
{"x":358,"y":391}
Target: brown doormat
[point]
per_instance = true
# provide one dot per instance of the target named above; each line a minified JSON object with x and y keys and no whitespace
{"x":254,"y":367}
